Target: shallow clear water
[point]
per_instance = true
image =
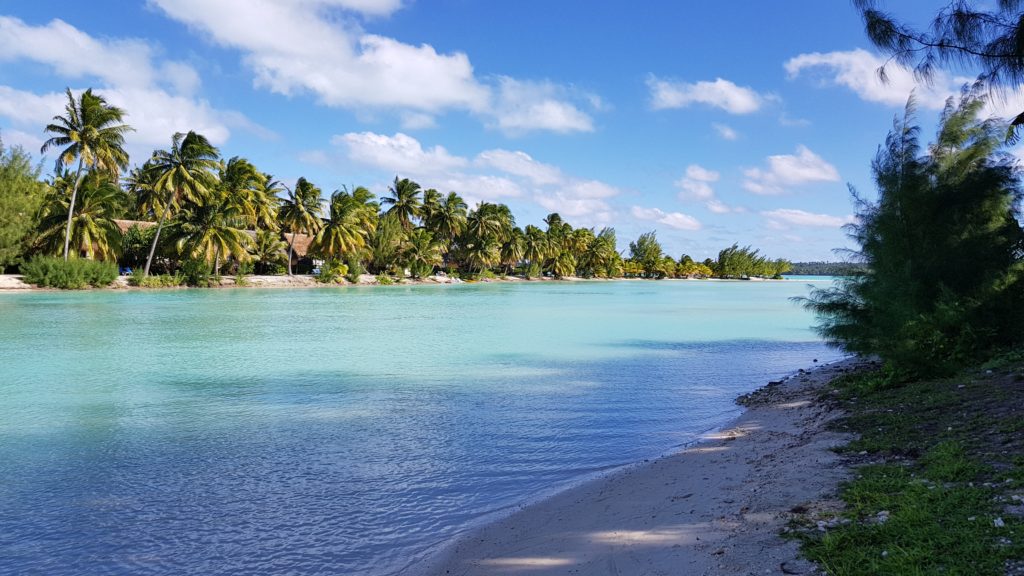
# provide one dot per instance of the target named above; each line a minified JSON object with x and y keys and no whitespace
{"x":353,"y":430}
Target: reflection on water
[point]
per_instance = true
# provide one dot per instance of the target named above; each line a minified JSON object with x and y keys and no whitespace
{"x":350,"y":430}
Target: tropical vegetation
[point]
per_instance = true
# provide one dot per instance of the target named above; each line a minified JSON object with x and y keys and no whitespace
{"x":188,"y":215}
{"x":942,"y":247}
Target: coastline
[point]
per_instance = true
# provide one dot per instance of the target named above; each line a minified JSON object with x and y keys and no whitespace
{"x":715,"y":507}
{"x":13,"y":282}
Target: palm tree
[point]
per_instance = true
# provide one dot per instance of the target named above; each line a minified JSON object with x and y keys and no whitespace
{"x":300,"y":213}
{"x":513,"y":249}
{"x":93,"y":133}
{"x":404,"y":201}
{"x":489,"y":222}
{"x":243,"y":188}
{"x":94,"y":232}
{"x":352,"y":221}
{"x":267,"y":249}
{"x":421,"y":253}
{"x":431,"y":204}
{"x":206,"y":232}
{"x":536,"y":246}
{"x":447,"y":221}
{"x":480,"y":254}
{"x":183,"y":173}
{"x":601,"y":255}
{"x":149,"y":201}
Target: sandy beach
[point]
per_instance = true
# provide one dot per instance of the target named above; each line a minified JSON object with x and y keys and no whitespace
{"x":717,"y":507}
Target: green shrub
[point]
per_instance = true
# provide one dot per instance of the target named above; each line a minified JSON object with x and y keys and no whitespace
{"x":484,"y":274}
{"x":331,"y":271}
{"x":196,"y":273}
{"x":241,"y":280}
{"x":74,"y":274}
{"x":533,"y":270}
{"x":384,"y":279}
{"x":156,"y":281}
{"x":355,"y":269}
{"x":421,"y":269}
{"x":161,"y":281}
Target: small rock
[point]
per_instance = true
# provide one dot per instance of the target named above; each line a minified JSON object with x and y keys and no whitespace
{"x":885,"y":553}
{"x":998,"y":523}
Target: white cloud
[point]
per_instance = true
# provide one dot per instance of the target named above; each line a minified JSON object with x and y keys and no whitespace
{"x":779,"y":218}
{"x":311,"y":50}
{"x":520,"y":164}
{"x":719,"y":207}
{"x":695,"y":186}
{"x":785,"y":120}
{"x":583,"y":200}
{"x":314,"y":49}
{"x":158,"y":96}
{"x":858,"y":71}
{"x":584,"y":211}
{"x":725,"y":132}
{"x":519,"y":175}
{"x":475,"y":188}
{"x":400,"y":153}
{"x":29,"y":142}
{"x":526,"y":106}
{"x":676,"y":220}
{"x":417,"y":121}
{"x":366,"y":7}
{"x":789,"y":170}
{"x":29,"y":108}
{"x":720,"y":94}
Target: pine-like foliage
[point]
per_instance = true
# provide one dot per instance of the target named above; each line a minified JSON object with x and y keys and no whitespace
{"x":942,"y":247}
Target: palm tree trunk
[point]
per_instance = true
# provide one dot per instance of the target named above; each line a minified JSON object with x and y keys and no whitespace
{"x":152,"y":248}
{"x":71,"y":209}
{"x":216,"y":262}
{"x":290,"y":245}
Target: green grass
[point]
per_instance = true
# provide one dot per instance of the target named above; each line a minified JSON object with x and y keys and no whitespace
{"x":941,"y":459}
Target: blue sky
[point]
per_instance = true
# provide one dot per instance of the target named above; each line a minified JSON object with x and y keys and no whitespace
{"x":711,"y":123}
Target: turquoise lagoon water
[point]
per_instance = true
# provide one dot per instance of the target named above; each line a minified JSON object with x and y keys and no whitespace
{"x":352,"y":430}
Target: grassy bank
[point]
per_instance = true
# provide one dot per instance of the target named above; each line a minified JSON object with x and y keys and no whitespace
{"x":939,"y":477}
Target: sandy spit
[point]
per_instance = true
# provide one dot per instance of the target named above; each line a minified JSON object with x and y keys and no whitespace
{"x":717,"y":507}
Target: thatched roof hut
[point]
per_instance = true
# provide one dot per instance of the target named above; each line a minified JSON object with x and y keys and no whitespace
{"x":301,"y":242}
{"x":124,"y":225}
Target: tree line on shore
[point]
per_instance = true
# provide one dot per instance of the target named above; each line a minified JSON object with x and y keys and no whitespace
{"x":187,"y":214}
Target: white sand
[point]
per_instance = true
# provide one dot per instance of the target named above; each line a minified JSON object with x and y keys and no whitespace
{"x":13,"y":282}
{"x":715,"y":508}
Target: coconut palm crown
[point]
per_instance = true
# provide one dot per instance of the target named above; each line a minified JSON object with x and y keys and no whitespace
{"x":91,"y":132}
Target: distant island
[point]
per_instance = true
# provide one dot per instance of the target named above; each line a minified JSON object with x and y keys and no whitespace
{"x":824,"y":268}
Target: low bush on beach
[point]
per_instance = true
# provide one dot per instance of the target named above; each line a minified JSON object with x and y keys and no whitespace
{"x":940,"y":491}
{"x":354,"y":270}
{"x":385,"y":280}
{"x":196,"y":272}
{"x":156,"y":281}
{"x":73,"y":274}
{"x":331,"y":271}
